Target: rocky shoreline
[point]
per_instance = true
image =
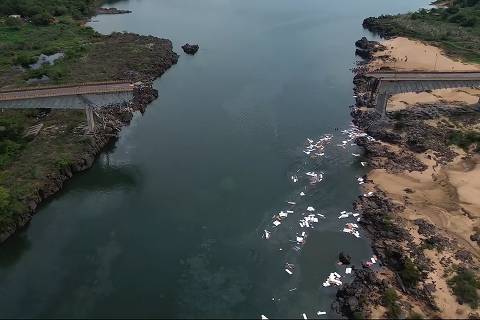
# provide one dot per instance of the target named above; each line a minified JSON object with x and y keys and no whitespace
{"x":405,"y":264}
{"x":112,"y":121}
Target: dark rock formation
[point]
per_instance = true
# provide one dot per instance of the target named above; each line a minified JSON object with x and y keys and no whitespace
{"x":112,"y":11}
{"x":190,"y":48}
{"x":344,"y":258}
{"x":352,"y":298}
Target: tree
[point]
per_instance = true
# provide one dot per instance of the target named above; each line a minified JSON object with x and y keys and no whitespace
{"x":42,"y":19}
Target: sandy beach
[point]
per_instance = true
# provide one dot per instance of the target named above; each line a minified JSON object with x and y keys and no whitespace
{"x":445,"y":195}
{"x":407,"y":55}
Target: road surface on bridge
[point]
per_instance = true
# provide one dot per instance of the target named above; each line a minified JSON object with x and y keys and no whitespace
{"x":424,"y":75}
{"x":68,"y":90}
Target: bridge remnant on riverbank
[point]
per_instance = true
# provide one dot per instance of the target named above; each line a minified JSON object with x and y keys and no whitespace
{"x":386,"y":83}
{"x":86,"y":96}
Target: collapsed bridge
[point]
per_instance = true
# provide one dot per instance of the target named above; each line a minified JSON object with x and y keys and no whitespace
{"x":86,"y":96}
{"x":386,"y":83}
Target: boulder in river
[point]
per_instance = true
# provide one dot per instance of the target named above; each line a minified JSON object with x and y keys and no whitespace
{"x":344,"y":258}
{"x":190,"y":48}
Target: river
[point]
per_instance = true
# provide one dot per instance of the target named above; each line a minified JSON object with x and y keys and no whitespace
{"x":170,"y":221}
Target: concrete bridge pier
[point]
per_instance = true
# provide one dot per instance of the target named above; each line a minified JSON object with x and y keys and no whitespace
{"x":90,"y":119}
{"x":381,"y":104}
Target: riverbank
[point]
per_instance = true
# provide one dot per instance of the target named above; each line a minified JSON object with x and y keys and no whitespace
{"x":420,"y":205}
{"x":33,"y":167}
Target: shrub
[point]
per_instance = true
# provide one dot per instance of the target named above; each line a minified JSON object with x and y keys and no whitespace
{"x":14,"y":23}
{"x":4,"y":201}
{"x":452,"y":10}
{"x":42,"y":19}
{"x":410,"y":274}
{"x":464,"y":139}
{"x":390,"y":299}
{"x":469,"y":22}
{"x":25,"y":59}
{"x":465,"y":285}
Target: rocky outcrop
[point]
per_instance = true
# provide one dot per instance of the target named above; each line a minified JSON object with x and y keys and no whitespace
{"x":366,"y":49}
{"x":190,"y":48}
{"x":376,"y":25}
{"x":352,"y":298}
{"x":112,"y":11}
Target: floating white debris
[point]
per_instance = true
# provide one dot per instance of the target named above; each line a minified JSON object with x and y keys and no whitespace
{"x":352,"y":228}
{"x":267,"y":234}
{"x":348,"y":270}
{"x":276,"y":223}
{"x":333,"y":278}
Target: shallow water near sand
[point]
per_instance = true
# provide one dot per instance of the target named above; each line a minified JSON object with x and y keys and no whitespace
{"x":169,"y":221}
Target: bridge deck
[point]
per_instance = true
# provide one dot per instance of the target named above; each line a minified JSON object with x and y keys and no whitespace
{"x":424,"y":76}
{"x":63,"y":91}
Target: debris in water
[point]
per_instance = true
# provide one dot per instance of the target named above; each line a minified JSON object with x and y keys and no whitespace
{"x":333,"y":278}
{"x":267,"y":234}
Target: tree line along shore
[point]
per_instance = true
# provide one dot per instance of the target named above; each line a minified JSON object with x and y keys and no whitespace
{"x":33,"y":167}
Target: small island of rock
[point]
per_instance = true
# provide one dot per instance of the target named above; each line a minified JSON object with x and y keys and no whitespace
{"x":190,"y":48}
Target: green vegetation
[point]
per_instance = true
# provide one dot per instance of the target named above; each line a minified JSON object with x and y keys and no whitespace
{"x":464,"y":139}
{"x":455,"y":29}
{"x":465,"y":285}
{"x":390,"y":299}
{"x":410,"y":274}
{"x":46,"y":26}
{"x":23,"y":44}
{"x":27,"y":165}
{"x":42,"y":12}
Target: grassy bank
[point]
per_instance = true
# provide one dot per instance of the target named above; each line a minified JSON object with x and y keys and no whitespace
{"x":455,"y":28}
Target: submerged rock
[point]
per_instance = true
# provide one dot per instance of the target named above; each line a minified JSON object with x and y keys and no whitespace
{"x":190,"y":48}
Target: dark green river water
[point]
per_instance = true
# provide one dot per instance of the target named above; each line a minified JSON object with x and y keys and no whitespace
{"x":169,"y":221}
